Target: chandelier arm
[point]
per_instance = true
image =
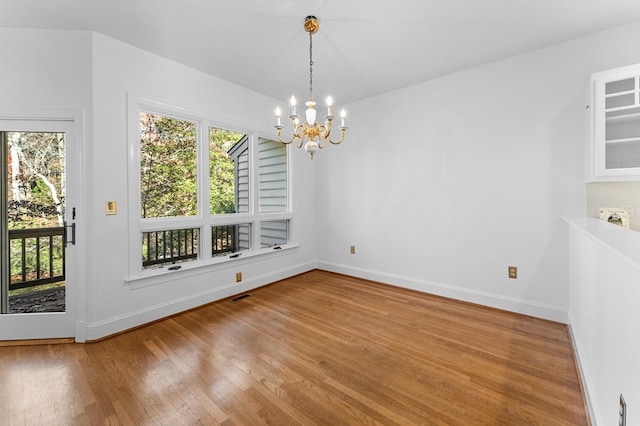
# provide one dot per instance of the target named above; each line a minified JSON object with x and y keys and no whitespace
{"x":286,"y":142}
{"x":342,"y":129}
{"x":325,"y":134}
{"x":324,"y":131}
{"x":294,"y":136}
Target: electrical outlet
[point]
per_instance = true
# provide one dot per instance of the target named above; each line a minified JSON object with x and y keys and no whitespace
{"x":622,"y":420}
{"x":513,"y":272}
{"x":238,"y":277}
{"x":352,"y":250}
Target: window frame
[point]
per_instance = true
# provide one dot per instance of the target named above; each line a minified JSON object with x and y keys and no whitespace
{"x":203,"y":219}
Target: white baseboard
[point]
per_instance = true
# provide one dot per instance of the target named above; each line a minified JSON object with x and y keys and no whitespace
{"x":584,"y":376}
{"x":101,"y":329}
{"x":114,"y":325}
{"x":538,"y":310}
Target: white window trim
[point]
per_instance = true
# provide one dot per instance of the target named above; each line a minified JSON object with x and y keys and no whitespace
{"x":203,"y":220}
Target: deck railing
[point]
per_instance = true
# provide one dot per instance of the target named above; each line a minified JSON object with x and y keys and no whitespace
{"x":223,"y":239}
{"x":179,"y":245}
{"x":169,"y":246}
{"x":36,"y":257}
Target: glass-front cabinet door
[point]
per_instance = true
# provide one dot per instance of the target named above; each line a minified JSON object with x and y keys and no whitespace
{"x":615,"y":135}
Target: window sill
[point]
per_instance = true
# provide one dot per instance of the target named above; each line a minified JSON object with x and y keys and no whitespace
{"x":198,"y":267}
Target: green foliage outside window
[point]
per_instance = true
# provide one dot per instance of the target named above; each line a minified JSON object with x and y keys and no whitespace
{"x":168,"y":167}
{"x":35,"y":179}
{"x":222,"y":171}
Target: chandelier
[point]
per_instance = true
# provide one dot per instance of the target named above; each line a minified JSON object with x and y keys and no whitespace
{"x":310,"y":134}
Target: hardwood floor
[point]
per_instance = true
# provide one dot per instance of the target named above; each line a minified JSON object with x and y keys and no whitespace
{"x":318,"y":348}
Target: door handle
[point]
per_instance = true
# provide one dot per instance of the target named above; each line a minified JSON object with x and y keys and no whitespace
{"x":73,"y":234}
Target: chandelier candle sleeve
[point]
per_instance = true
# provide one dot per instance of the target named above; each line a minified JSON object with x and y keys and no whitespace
{"x":309,"y":133}
{"x":292,"y":101}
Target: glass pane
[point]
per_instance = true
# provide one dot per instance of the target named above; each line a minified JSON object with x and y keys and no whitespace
{"x":228,"y":171}
{"x":273,"y":176}
{"x":274,"y":233}
{"x":35,"y":183}
{"x":620,"y":86}
{"x":622,"y":155}
{"x":228,"y":239}
{"x":168,"y":166}
{"x":623,"y":127}
{"x":620,"y":101}
{"x":170,"y":246}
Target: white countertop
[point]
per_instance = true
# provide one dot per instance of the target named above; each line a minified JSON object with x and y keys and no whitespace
{"x":624,"y":242}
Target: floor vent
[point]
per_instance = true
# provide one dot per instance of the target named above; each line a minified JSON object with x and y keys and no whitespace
{"x":244,"y":296}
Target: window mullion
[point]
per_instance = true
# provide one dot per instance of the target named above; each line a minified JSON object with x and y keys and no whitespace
{"x":204,"y":187}
{"x":254,"y":191}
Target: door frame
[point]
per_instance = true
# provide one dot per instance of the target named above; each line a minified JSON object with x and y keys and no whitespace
{"x":71,"y":323}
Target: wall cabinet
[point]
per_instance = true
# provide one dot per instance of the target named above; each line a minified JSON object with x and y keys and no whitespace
{"x":615,"y":125}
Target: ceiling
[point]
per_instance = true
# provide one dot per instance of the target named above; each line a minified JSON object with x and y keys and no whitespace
{"x":363,"y":48}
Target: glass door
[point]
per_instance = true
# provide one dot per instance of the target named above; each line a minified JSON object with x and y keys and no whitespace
{"x":37,"y":231}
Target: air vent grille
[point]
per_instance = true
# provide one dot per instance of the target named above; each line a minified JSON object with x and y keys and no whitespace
{"x":242,"y":296}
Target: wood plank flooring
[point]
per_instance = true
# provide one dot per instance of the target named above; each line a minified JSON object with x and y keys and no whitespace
{"x":315,"y":349}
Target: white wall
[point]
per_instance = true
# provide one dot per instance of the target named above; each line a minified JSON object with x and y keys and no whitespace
{"x":45,"y":69}
{"x":444,"y":184}
{"x":45,"y":74}
{"x":113,"y":304}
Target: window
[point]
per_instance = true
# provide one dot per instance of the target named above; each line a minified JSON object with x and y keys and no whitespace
{"x":228,"y":171}
{"x":273,"y":176}
{"x":168,"y":169}
{"x":274,"y":233}
{"x":169,"y":246}
{"x":201,"y":193}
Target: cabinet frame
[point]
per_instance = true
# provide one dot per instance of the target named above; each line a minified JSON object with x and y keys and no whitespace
{"x":597,"y":124}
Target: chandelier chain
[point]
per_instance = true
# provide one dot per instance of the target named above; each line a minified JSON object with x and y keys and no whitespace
{"x":310,"y":67}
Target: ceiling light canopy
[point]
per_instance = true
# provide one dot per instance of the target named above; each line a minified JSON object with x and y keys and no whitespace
{"x":310,"y":134}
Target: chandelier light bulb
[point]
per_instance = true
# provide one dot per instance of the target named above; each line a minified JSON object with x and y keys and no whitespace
{"x":329,"y":105}
{"x":292,"y":101}
{"x":278,"y":114}
{"x":343,"y":114}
